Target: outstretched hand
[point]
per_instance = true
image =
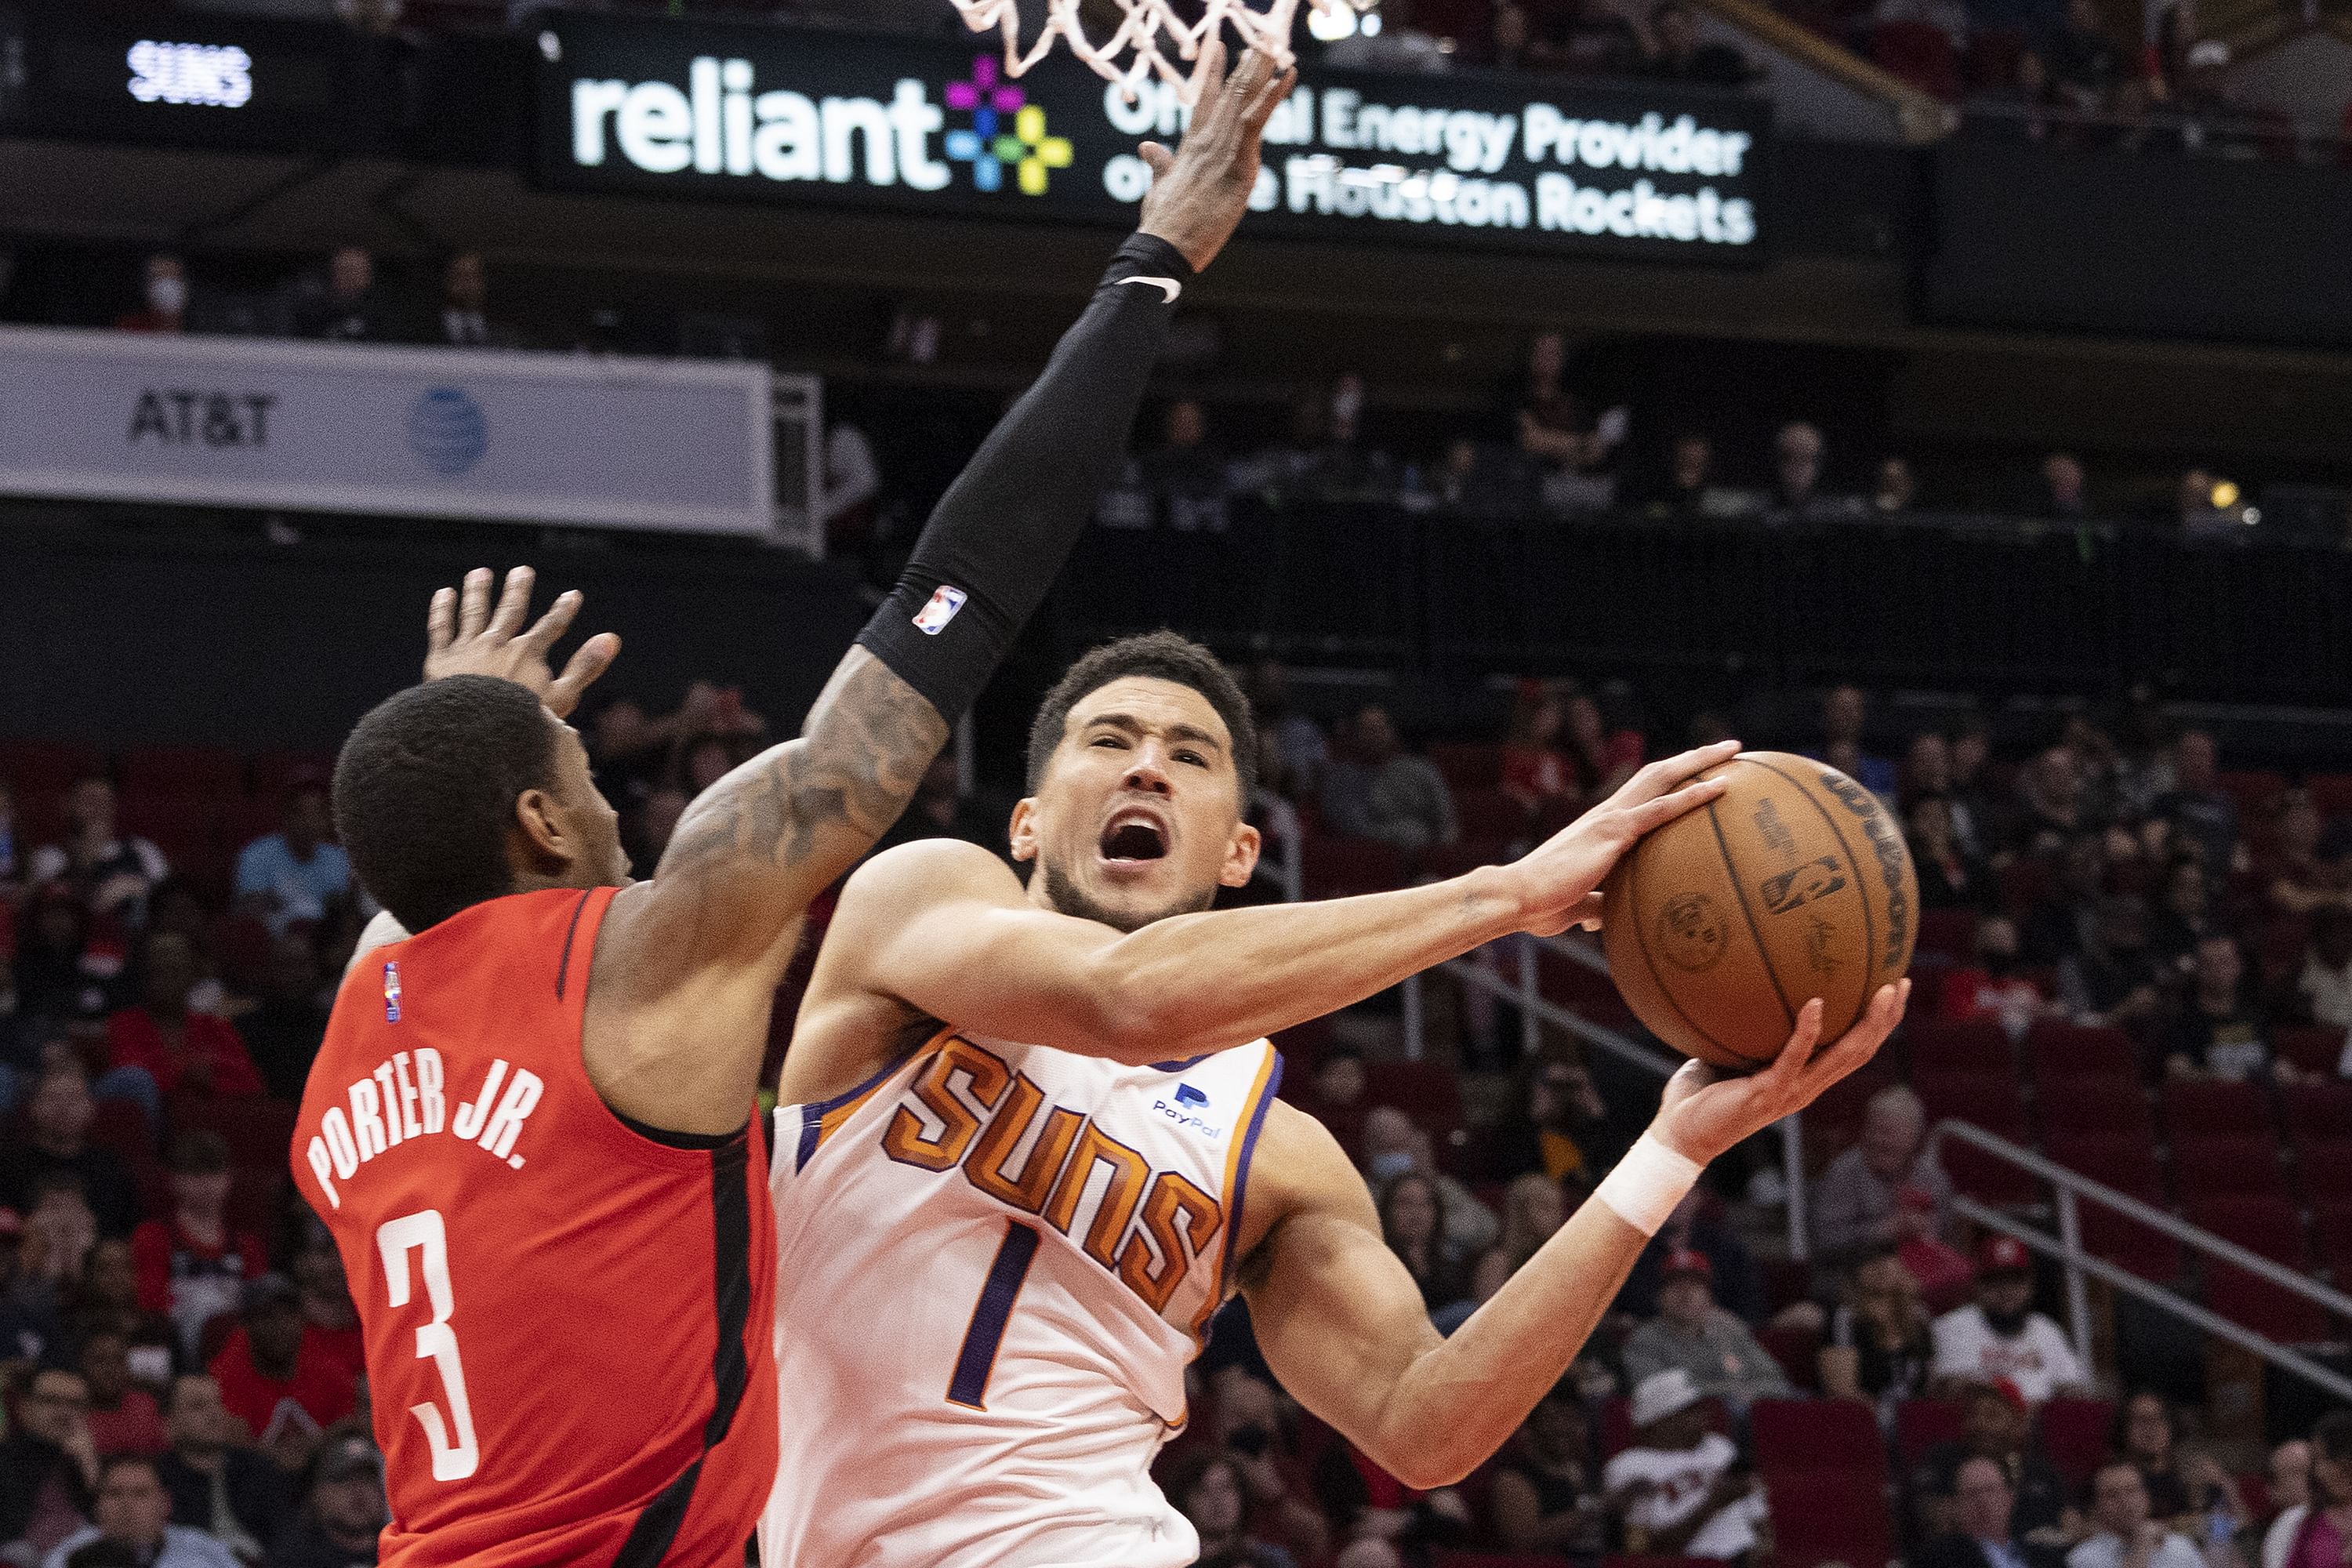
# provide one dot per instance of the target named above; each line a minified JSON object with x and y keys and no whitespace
{"x":464,"y":637}
{"x":1200,"y":191}
{"x":1556,"y":880}
{"x":1704,"y":1113}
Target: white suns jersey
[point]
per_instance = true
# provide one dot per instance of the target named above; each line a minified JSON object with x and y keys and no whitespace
{"x":995,"y":1262}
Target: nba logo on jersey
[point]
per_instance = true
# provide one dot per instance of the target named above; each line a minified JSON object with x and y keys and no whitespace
{"x":934,"y":617}
{"x":392,"y":993}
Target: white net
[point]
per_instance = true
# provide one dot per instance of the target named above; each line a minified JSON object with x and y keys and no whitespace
{"x":1152,"y":39}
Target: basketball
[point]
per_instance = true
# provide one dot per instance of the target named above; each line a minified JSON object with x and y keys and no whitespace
{"x":1794,"y":884}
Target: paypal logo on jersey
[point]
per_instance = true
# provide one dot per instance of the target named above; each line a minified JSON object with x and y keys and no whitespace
{"x":1186,"y":1111}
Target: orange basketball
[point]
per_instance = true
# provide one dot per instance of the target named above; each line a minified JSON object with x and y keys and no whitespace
{"x":1794,"y":884}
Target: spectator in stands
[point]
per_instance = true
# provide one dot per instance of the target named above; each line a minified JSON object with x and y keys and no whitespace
{"x":2113,"y":979}
{"x":58,"y":1116}
{"x":2202,"y":813}
{"x":134,"y":1510}
{"x":28,"y":1307}
{"x":162,"y":299}
{"x":1187,"y":474}
{"x":60,"y":1233}
{"x":2184,"y":911}
{"x":327,"y":1308}
{"x":2059,"y":486}
{"x":2062,"y":916}
{"x":1395,"y":1146}
{"x":2323,"y":988}
{"x":1693,"y":1334}
{"x":1691,"y":493}
{"x":1559,"y":1126}
{"x":1983,"y":1533}
{"x":1991,"y":984}
{"x":1606,"y":749}
{"x":62,"y":976}
{"x":217,"y":1481}
{"x":2287,"y":1479}
{"x":1597,"y":38}
{"x":2318,"y":1532}
{"x":1949,"y":878}
{"x":1533,"y":1207}
{"x":1680,"y":1491}
{"x":294,"y":873}
{"x":1206,"y":1486}
{"x":2084,"y":67}
{"x":2049,"y":811}
{"x":181,"y":1052}
{"x":348,"y":309}
{"x":2126,"y":1536}
{"x":1698,"y":1223}
{"x":48,"y":1462}
{"x":1544,"y":1499}
{"x":191,"y":1267}
{"x":1798,"y":457}
{"x":1896,"y":491}
{"x":1996,"y":1426}
{"x":1551,"y":424}
{"x":1488,"y":1272}
{"x":465,"y":320}
{"x":279,"y":1378}
{"x":1927,"y":771}
{"x":1676,"y":54}
{"x":1880,"y":1345}
{"x":1536,"y":770}
{"x":2186,"y":1492}
{"x":110,"y":873}
{"x":123,"y":1417}
{"x":940,"y":809}
{"x":22,"y":1037}
{"x":1249,"y":1433}
{"x":283,"y":1028}
{"x":1844,"y":712}
{"x":1510,"y":43}
{"x":2221,"y":1032}
{"x":347,"y":1511}
{"x":1412,"y":1223}
{"x":1299,"y":753}
{"x":108,"y":1292}
{"x":2300,"y":875}
{"x":1336,"y":1098}
{"x":1376,"y":790}
{"x":2001,"y":1336}
{"x":1857,"y":1201}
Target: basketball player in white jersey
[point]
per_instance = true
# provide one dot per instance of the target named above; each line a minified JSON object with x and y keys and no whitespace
{"x":1030,"y":1144}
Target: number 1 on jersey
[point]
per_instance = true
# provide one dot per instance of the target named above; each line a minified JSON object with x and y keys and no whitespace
{"x":969,"y":1386}
{"x":423,"y":1233}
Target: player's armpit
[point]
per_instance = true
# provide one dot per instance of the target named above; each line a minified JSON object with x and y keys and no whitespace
{"x":1343,"y":1327}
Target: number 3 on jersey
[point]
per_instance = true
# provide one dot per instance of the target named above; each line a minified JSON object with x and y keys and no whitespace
{"x":422,"y":1233}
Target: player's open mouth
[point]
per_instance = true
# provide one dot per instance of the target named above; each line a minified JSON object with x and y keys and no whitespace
{"x":1132,"y":836}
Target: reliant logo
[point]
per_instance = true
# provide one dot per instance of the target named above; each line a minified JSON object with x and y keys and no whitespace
{"x":720,"y":123}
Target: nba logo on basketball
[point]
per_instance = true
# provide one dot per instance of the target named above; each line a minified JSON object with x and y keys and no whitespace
{"x":935,"y":615}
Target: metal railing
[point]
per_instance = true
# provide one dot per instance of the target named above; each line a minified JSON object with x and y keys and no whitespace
{"x":2071,"y":1189}
{"x":1536,"y":1010}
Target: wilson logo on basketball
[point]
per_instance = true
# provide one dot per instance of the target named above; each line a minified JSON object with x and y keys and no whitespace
{"x":1794,"y":889}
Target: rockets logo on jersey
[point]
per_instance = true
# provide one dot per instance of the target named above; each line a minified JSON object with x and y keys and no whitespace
{"x":968,"y":1110}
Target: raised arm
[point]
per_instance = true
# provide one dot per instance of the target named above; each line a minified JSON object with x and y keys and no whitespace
{"x":943,"y":930}
{"x":1342,"y":1324}
{"x":756,"y":846}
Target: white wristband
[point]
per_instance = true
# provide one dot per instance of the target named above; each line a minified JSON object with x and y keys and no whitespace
{"x":1647,"y":1184}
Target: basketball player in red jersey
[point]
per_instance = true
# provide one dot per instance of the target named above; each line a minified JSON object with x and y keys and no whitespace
{"x":530,"y":1126}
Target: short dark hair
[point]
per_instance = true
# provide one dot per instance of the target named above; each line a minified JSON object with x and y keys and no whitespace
{"x":424,"y":793}
{"x":110,"y":1463}
{"x":197,"y":1152}
{"x":1154,"y":656}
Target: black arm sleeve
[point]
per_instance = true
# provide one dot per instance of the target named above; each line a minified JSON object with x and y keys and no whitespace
{"x":1001,"y":531}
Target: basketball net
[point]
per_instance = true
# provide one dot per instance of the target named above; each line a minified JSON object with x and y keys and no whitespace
{"x":1149,"y":32}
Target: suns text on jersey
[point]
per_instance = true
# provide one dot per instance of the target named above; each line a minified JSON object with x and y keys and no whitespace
{"x":406,"y":1097}
{"x":968,"y":1109}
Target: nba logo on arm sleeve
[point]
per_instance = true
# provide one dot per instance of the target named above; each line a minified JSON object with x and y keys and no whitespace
{"x":933,"y":618}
